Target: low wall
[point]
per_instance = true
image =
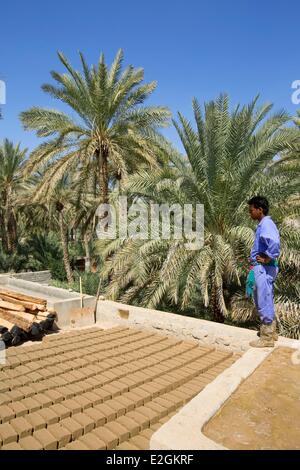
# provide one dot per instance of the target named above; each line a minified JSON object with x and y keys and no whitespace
{"x":206,"y":332}
{"x":66,"y":303}
{"x":42,"y":277}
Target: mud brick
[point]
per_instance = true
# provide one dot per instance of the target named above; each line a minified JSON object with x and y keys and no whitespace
{"x":138,"y":398}
{"x":67,"y":391}
{"x":150,"y":414}
{"x":47,"y":440}
{"x":12,"y":446}
{"x":97,"y":416}
{"x":76,"y":445}
{"x":31,"y":404}
{"x":39,"y":387}
{"x":72,"y":405}
{"x":119,"y":430}
{"x":84,"y":386}
{"x":23,"y":370}
{"x":60,"y":410}
{"x":18,"y":408}
{"x":73,"y":427}
{"x":170,"y":406}
{"x":12,"y":362}
{"x":48,"y":415}
{"x":30,"y":443}
{"x":118,"y":407}
{"x":15,"y":395}
{"x":111,"y":389}
{"x":79,"y":375}
{"x":65,"y":366}
{"x":147,"y":433}
{"x":139,"y":377}
{"x":4,"y":398}
{"x":129,"y":404}
{"x":130,"y":383}
{"x":148,"y":375}
{"x":43,"y":400}
{"x":141,"y":442}
{"x":129,"y":423}
{"x":7,"y":434}
{"x":34,"y":376}
{"x":22,"y":427}
{"x":108,"y":412}
{"x":55,"y":370}
{"x":6,"y":413}
{"x":68,"y":377}
{"x":92,"y":397}
{"x":92,"y":382}
{"x":69,"y":355}
{"x":27,"y":391}
{"x":85,"y":421}
{"x":139,"y":418}
{"x":36,"y":420}
{"x":92,"y":441}
{"x":94,"y":369}
{"x":109,"y":374}
{"x":80,"y":362}
{"x":119,"y":386}
{"x":61,"y":434}
{"x":127,"y":446}
{"x":58,"y":381}
{"x":54,"y":395}
{"x":164,"y":385}
{"x":107,"y":436}
{"x":161,"y":411}
{"x":75,"y":387}
{"x":150,"y":389}
{"x":83,"y":402}
{"x":3,"y":385}
{"x":102,"y":394}
{"x":181,"y":398}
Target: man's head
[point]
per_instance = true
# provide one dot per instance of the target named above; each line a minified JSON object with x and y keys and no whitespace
{"x":258,"y":207}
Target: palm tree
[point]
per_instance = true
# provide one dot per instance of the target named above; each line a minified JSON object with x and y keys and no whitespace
{"x":229,"y":158}
{"x":12,"y":160}
{"x":108,"y":126}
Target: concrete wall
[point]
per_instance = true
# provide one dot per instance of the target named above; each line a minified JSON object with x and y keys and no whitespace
{"x":42,"y":277}
{"x":206,"y":332}
{"x":66,"y":303}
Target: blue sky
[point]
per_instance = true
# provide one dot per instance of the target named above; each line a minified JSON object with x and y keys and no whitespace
{"x":192,"y":48}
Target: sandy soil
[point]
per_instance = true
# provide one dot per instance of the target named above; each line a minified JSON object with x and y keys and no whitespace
{"x":264,"y":413}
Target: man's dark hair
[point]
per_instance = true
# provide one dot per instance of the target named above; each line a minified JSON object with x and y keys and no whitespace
{"x":260,"y":202}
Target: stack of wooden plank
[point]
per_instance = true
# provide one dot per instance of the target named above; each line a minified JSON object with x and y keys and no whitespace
{"x":23,"y":316}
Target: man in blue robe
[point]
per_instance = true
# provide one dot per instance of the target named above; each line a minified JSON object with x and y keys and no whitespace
{"x":264,"y":265}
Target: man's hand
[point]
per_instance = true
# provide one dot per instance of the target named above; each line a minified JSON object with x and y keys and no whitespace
{"x":264,"y":259}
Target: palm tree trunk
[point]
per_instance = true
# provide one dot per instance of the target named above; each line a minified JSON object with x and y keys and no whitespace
{"x":3,"y":233}
{"x":103,"y":180}
{"x":65,"y":247}
{"x":86,"y":239}
{"x":10,"y":225}
{"x":103,"y":175}
{"x":217,"y":314}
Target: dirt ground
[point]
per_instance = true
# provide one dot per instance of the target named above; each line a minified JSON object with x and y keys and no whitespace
{"x":264,"y":413}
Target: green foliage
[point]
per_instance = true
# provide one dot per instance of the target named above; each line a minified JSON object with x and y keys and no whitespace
{"x":90,"y":283}
{"x":229,"y":158}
